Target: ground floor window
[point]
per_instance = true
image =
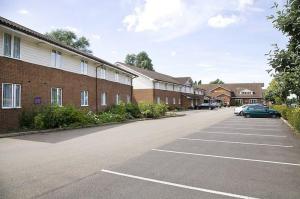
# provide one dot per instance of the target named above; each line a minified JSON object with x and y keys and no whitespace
{"x":56,"y":96}
{"x":128,"y":99}
{"x":84,"y":98}
{"x":11,"y":95}
{"x":158,"y":100}
{"x":117,"y":99}
{"x":167,"y":100}
{"x":192,"y":103}
{"x":253,"y":101}
{"x":103,"y":99}
{"x":179,"y":101}
{"x":174,"y":100}
{"x":239,"y":101}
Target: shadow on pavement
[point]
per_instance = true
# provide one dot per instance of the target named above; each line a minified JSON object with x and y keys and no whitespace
{"x":60,"y":136}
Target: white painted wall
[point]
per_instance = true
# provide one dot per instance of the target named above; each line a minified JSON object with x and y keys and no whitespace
{"x":38,"y":52}
{"x":142,"y":82}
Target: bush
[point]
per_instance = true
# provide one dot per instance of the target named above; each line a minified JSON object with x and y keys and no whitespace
{"x":107,"y":117}
{"x":290,"y":114}
{"x":153,"y":110}
{"x":282,"y":109}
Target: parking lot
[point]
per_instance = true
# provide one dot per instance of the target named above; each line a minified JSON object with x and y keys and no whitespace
{"x":235,"y":158}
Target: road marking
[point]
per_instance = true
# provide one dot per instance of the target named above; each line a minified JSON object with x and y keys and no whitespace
{"x":230,"y":142}
{"x":227,"y":157}
{"x":216,"y":127}
{"x":246,"y":134}
{"x":178,"y":185}
{"x":255,"y":125}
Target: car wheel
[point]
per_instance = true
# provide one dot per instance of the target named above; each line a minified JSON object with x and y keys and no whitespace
{"x":241,"y":113}
{"x":247,"y":116}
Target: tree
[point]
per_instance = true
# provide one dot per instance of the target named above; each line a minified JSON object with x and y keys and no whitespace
{"x":285,"y":63}
{"x":70,"y":38}
{"x":140,"y":60}
{"x":217,"y":81}
{"x":130,"y":59}
{"x":199,"y":82}
{"x":277,"y":90}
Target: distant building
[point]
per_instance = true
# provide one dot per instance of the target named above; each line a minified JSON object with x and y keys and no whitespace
{"x":235,"y":93}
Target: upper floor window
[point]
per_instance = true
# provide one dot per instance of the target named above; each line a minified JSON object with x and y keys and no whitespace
{"x":56,"y":58}
{"x":56,"y":96}
{"x":11,"y":95}
{"x":246,"y":92}
{"x":156,"y":85}
{"x":11,"y":46}
{"x":102,"y":73}
{"x":116,"y":77}
{"x":83,"y":67}
{"x":128,"y":79}
{"x":84,"y":98}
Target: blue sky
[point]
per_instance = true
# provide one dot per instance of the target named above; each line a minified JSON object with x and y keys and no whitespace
{"x":204,"y":39}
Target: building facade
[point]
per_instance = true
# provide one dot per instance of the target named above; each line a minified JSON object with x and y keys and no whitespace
{"x":235,"y":93}
{"x":36,"y":70}
{"x":155,"y":87}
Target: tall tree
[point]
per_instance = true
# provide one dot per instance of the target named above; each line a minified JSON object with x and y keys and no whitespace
{"x":277,"y":90}
{"x":285,"y":63}
{"x":217,"y":81}
{"x":140,"y":60}
{"x":130,"y":59}
{"x":70,"y":38}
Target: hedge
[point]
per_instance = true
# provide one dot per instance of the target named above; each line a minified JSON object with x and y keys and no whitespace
{"x":292,"y":115}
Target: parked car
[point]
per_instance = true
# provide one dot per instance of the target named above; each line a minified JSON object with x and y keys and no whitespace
{"x":259,"y":111}
{"x":209,"y":106}
{"x":239,"y":110}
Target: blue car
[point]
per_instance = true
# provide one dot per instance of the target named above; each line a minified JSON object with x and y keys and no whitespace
{"x":259,"y":111}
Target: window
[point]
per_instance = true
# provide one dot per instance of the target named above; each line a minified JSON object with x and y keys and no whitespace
{"x":56,"y":96}
{"x":117,"y":99}
{"x":239,"y":101}
{"x":166,"y":86}
{"x":174,"y":100}
{"x":253,"y":101}
{"x":158,"y":100}
{"x":11,"y":95}
{"x":156,"y":85}
{"x":83,"y":67}
{"x":102,"y":73}
{"x":179,"y":100}
{"x":84,"y":98}
{"x":116,"y":77}
{"x":246,"y":92}
{"x":11,"y":46}
{"x":103,"y":99}
{"x":128,"y":80}
{"x":56,"y":58}
{"x":167,"y":100}
{"x":128,"y":99}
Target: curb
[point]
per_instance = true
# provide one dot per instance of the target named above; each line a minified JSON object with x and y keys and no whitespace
{"x":295,"y":131}
{"x":15,"y":134}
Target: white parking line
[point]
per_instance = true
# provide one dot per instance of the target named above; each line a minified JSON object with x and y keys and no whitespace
{"x":230,"y":142}
{"x":178,"y":185}
{"x":227,"y":157}
{"x":250,"y":125}
{"x":246,"y":134}
{"x":216,"y":127}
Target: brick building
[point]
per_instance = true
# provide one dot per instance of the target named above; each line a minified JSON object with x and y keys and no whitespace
{"x":155,"y":87}
{"x":37,"y":70}
{"x":235,"y":93}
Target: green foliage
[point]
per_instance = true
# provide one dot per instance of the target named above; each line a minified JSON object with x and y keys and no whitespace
{"x":153,"y":110}
{"x":140,"y":60}
{"x":107,"y":117}
{"x":70,"y":38}
{"x":277,"y":91}
{"x":217,"y":81}
{"x":292,"y":115}
{"x":285,"y":63}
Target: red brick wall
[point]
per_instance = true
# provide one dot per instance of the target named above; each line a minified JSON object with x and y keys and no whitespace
{"x":143,"y":95}
{"x":170,"y":94}
{"x":37,"y":81}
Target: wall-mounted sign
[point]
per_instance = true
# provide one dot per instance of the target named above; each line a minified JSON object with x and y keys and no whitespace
{"x":37,"y":100}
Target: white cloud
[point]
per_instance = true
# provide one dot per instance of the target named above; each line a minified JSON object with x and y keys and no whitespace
{"x":221,"y":21}
{"x":173,"y":53}
{"x":23,"y":12}
{"x":169,"y":19}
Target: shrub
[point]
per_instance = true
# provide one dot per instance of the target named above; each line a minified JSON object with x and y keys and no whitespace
{"x":282,"y":109}
{"x":107,"y":117}
{"x":27,"y":118}
{"x":290,"y":114}
{"x":133,"y":110}
{"x":153,"y":110}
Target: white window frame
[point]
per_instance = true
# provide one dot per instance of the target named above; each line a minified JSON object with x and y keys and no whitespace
{"x":83,"y":67}
{"x":158,"y":100}
{"x":103,"y":99}
{"x":174,"y":100}
{"x":102,"y":73}
{"x":117,"y":77}
{"x":179,"y":100}
{"x":55,"y":63}
{"x":61,"y":96}
{"x":85,"y":100}
{"x":13,"y":96}
{"x":240,"y":101}
{"x":253,"y":101}
{"x":12,"y":46}
{"x":117,"y":102}
{"x":167,"y":100}
{"x":128,"y":98}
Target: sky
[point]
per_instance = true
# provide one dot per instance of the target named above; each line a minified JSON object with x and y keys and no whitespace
{"x":203,"y":39}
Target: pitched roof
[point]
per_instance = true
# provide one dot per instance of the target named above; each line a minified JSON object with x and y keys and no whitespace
{"x":23,"y":29}
{"x":183,"y":80}
{"x":151,"y":74}
{"x":236,"y":88}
